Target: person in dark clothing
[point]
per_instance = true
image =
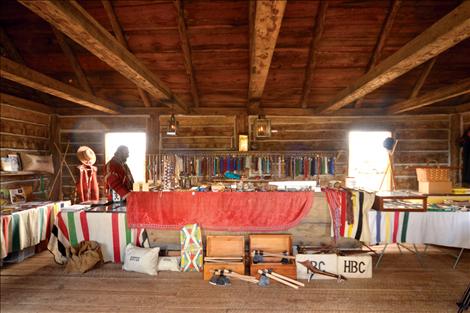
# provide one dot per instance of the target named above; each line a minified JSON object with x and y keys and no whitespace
{"x":465,"y":144}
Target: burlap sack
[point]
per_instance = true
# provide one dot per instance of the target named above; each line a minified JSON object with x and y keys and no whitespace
{"x":37,"y":163}
{"x":84,"y":257}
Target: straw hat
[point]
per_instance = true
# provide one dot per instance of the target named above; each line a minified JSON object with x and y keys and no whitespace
{"x":86,"y":155}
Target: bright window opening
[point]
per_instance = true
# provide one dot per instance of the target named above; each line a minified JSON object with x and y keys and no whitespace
{"x":137,"y":144}
{"x":368,"y":159}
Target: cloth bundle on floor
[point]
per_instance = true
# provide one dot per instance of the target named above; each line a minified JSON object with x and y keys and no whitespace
{"x":84,"y":257}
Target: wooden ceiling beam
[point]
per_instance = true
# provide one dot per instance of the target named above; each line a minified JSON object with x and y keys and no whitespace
{"x":186,"y":47}
{"x":70,"y":55}
{"x":312,"y":55}
{"x":379,"y":46}
{"x":118,"y":33}
{"x":25,"y":76}
{"x":422,"y":78}
{"x":25,"y":104}
{"x":445,"y":33}
{"x":460,"y":88}
{"x":267,"y":23}
{"x":70,"y":18}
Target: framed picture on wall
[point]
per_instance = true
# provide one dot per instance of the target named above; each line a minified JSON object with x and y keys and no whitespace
{"x":17,"y":195}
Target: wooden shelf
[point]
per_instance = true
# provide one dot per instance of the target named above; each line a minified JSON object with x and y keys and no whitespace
{"x":22,"y":173}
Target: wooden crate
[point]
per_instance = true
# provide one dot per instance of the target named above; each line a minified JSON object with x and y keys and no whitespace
{"x":274,"y":243}
{"x":225,"y":246}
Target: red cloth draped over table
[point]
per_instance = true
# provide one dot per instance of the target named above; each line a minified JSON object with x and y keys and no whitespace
{"x":229,"y":211}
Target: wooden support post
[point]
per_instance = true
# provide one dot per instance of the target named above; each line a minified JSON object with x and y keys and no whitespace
{"x":153,"y":134}
{"x":454,"y":148}
{"x":54,"y":139}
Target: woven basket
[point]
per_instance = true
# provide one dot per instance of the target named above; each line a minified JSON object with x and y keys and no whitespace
{"x":433,"y":174}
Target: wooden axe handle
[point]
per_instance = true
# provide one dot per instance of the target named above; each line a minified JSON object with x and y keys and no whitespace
{"x":288,"y":279}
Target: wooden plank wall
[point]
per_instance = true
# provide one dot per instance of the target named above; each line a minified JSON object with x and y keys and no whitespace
{"x":90,"y":131}
{"x":421,"y":139}
{"x":465,"y":121}
{"x":22,"y":130}
{"x":199,"y":133}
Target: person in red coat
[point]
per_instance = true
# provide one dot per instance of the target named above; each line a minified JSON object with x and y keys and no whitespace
{"x":118,"y":177}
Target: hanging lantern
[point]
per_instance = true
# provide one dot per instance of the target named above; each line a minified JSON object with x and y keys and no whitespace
{"x":172,"y":126}
{"x":262,"y":127}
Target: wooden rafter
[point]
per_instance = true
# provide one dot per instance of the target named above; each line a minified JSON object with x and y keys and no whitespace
{"x":312,"y":57}
{"x":117,"y":30}
{"x":23,"y":75}
{"x":382,"y":39}
{"x":186,"y":47}
{"x":25,"y":103}
{"x":10,"y":49}
{"x":445,"y":33}
{"x":267,"y":23}
{"x":460,"y":88}
{"x":70,"y":55}
{"x":70,"y":18}
{"x":422,"y":78}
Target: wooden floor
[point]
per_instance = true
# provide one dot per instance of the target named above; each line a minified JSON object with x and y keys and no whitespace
{"x":399,"y":285}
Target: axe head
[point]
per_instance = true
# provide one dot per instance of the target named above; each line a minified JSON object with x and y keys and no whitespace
{"x":263,"y":281}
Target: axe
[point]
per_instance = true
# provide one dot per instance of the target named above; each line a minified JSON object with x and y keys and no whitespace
{"x":277,"y":277}
{"x":258,"y":256}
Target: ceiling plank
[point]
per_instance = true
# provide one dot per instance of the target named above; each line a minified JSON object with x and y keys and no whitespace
{"x":70,"y":18}
{"x":117,"y":30}
{"x":23,"y":75}
{"x":460,"y":88}
{"x":267,"y":23}
{"x":445,"y":33}
{"x":25,"y":104}
{"x":378,"y":49}
{"x":186,"y":47}
{"x":312,"y":57}
{"x":70,"y":55}
{"x":422,"y":78}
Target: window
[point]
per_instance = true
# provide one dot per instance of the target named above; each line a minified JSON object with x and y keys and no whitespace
{"x":137,"y":143}
{"x":368,"y":159}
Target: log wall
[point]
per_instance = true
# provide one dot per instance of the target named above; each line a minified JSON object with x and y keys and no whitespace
{"x":27,"y":131}
{"x":421,"y":138}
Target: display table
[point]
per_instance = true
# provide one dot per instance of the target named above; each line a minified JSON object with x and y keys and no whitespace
{"x":451,"y":229}
{"x":109,"y":229}
{"x":28,"y":227}
{"x":227,"y":211}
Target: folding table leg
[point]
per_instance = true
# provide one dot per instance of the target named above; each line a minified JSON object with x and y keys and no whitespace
{"x":381,"y":256}
{"x":458,"y":258}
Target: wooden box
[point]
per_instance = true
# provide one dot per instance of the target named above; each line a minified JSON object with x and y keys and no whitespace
{"x":273,"y":243}
{"x":225,"y":246}
{"x":440,"y":187}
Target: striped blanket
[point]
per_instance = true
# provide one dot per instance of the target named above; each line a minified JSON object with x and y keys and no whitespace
{"x":108,"y":229}
{"x":362,"y":202}
{"x":27,"y":228}
{"x":450,"y":229}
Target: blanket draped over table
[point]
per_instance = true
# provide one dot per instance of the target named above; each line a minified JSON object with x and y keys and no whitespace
{"x":228,"y":211}
{"x":27,"y":228}
{"x":108,"y":229}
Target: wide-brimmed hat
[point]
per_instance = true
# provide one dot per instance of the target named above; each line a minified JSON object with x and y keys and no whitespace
{"x":86,"y":155}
